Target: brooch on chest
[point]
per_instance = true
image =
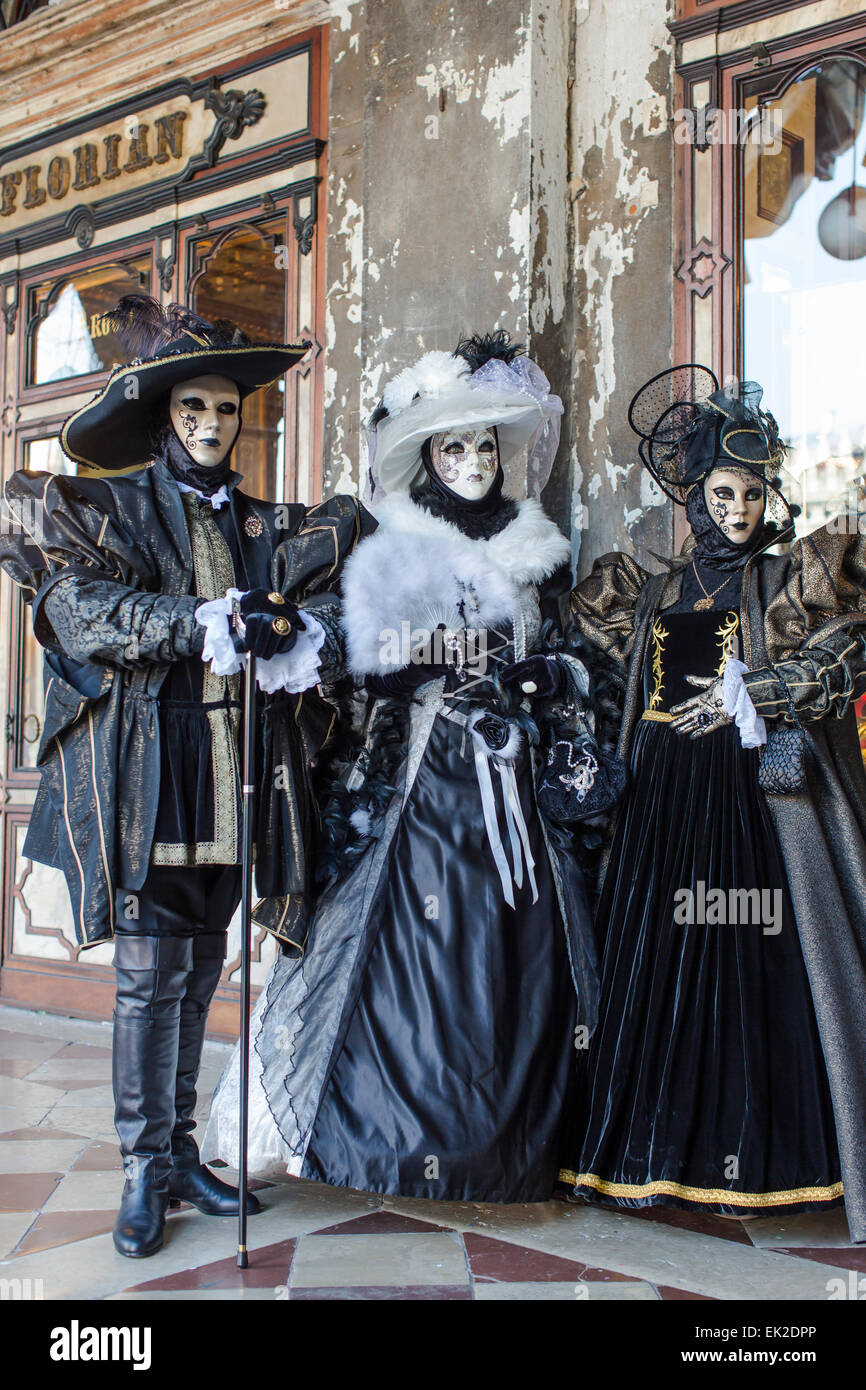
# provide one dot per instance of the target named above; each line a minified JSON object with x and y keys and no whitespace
{"x":253,"y":526}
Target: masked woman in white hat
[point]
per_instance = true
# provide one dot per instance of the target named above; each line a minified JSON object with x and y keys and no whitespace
{"x":423,"y":1044}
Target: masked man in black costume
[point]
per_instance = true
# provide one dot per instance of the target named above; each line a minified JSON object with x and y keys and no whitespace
{"x":132,"y":581}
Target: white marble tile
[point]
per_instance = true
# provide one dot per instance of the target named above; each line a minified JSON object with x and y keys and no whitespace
{"x":58,"y":1070}
{"x":86,"y":1098}
{"x":644,"y":1250}
{"x":392,"y":1260}
{"x":13,"y":1226}
{"x":39,"y":1155}
{"x":565,"y":1293}
{"x":92,"y":1268}
{"x":809,"y":1228}
{"x":24,"y":1116}
{"x":14,"y":1091}
{"x":83,"y":1191}
{"x":94,"y":1122}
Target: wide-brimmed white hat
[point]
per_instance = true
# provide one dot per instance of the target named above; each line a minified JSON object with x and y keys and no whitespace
{"x":441,"y":392}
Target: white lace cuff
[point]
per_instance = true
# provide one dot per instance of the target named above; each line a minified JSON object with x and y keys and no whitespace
{"x":294,"y":671}
{"x":298,"y":669}
{"x":219,"y":649}
{"x":753,"y":730}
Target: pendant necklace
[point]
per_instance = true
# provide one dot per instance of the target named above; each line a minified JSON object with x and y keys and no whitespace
{"x":707,"y":601}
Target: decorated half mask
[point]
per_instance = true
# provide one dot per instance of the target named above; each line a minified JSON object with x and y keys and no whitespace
{"x":204,"y":413}
{"x":735,"y":499}
{"x":467,"y":461}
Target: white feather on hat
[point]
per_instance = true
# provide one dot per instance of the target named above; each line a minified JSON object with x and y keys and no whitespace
{"x":431,"y":375}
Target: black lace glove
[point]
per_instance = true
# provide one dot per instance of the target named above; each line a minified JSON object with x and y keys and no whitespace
{"x":270,"y":624}
{"x":404,"y":682}
{"x":542,"y":672}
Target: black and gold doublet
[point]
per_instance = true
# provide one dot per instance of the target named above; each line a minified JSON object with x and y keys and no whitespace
{"x":114,"y":569}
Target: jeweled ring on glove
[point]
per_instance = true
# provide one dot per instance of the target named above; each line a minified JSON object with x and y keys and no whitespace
{"x":704,"y":719}
{"x":281,"y":625}
{"x":274,"y":597}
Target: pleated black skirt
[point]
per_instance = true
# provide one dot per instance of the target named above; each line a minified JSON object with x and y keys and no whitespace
{"x":706,"y":1079}
{"x":452,"y":1081}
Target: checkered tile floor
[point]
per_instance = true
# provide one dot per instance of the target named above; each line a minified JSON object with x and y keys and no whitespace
{"x":60,"y":1181}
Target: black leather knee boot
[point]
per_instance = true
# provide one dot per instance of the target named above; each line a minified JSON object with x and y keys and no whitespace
{"x":152,"y":973}
{"x":190,"y":1180}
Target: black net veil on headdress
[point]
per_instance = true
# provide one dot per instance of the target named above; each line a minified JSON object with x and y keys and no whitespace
{"x":688,"y":426}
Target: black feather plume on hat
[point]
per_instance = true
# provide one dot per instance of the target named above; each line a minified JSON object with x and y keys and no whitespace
{"x":484,"y":347}
{"x":145,"y":327}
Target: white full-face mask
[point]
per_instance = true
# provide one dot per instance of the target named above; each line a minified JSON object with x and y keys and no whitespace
{"x":204,"y":413}
{"x":467,"y":461}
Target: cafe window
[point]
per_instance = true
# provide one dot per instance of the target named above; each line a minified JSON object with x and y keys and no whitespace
{"x":68,"y":336}
{"x":240,"y":275}
{"x":803,"y":260}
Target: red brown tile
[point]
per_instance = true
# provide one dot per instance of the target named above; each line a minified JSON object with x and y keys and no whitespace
{"x":18,"y":1066}
{"x":268,"y":1268}
{"x":26,"y":1191}
{"x":84,"y":1050}
{"x":496,"y":1261}
{"x":845,"y":1257}
{"x":699,"y":1222}
{"x":671,"y":1295}
{"x":607,"y":1276}
{"x":42,"y":1132}
{"x":411,"y":1293}
{"x":381,"y":1223}
{"x":98,"y":1157}
{"x":64,"y":1228}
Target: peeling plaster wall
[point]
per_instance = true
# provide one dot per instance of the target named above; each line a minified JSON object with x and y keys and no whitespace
{"x":538,"y":199}
{"x":429,"y":209}
{"x":622,"y":277}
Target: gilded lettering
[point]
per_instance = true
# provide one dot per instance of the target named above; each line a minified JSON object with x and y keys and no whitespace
{"x":169,"y":136}
{"x":57,"y":178}
{"x":86,"y":175}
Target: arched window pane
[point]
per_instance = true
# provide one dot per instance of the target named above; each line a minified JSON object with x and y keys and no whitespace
{"x":70,"y":337}
{"x":804,"y":279}
{"x":244,"y":279}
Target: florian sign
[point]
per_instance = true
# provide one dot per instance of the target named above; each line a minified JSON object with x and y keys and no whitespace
{"x":131,"y":158}
{"x":93,"y":166}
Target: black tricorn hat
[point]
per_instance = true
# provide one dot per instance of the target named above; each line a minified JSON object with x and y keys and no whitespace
{"x":167,"y":345}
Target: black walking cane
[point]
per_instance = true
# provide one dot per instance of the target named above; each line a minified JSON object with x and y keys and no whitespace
{"x":249,"y":813}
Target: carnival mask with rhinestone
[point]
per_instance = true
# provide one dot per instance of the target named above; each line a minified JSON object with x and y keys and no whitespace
{"x":735,"y":500}
{"x":204,"y":413}
{"x":466,"y":461}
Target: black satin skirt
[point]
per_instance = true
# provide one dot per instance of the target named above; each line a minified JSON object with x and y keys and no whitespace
{"x":452,"y":1081}
{"x":707,"y":1083}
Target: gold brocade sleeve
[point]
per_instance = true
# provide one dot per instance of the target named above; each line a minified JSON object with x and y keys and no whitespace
{"x":602,"y":606}
{"x":819,"y":679}
{"x":826,"y":580}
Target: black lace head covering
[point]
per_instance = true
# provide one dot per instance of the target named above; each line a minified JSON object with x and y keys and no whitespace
{"x":689,"y":426}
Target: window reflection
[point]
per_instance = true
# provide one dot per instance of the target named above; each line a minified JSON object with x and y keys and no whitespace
{"x":242,"y":277}
{"x":71,"y":337}
{"x":804,"y":295}
{"x":25,"y":722}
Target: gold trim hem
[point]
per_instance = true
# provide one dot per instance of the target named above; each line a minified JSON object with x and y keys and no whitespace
{"x":719,"y":1195}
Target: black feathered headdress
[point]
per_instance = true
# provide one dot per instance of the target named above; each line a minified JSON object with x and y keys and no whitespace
{"x":167,"y":344}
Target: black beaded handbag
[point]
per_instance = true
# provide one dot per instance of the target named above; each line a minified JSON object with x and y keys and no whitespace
{"x":782,"y":769}
{"x":578,"y":780}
